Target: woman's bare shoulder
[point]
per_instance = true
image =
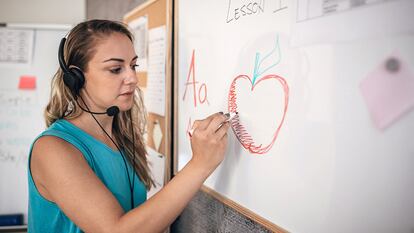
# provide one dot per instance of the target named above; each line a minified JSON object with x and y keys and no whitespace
{"x":53,"y":159}
{"x":51,"y":147}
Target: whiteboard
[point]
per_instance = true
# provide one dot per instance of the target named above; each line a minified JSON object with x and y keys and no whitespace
{"x":307,"y":152}
{"x":21,"y":117}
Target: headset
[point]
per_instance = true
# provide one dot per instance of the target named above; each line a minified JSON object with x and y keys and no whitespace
{"x":74,"y":79}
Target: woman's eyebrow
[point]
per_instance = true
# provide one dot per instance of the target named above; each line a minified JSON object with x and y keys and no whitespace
{"x":118,"y":59}
{"x":114,"y":59}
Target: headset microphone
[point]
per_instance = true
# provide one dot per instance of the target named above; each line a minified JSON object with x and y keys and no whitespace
{"x":111,"y":111}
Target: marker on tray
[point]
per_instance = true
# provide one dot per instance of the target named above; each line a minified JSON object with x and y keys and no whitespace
{"x":229,"y":115}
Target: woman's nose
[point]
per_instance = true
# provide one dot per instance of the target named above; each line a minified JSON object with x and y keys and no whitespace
{"x":131,"y":78}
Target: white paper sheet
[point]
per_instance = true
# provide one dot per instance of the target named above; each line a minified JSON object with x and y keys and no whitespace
{"x":157,"y":167}
{"x":16,"y":46}
{"x":155,"y":92}
{"x":139,"y":27}
{"x":322,"y":21}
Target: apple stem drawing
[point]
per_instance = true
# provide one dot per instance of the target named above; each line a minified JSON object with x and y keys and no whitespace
{"x":242,"y":134}
{"x":257,"y":72}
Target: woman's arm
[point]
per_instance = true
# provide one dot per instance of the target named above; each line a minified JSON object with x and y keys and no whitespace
{"x":63,"y":176}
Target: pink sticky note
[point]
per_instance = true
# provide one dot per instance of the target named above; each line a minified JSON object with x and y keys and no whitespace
{"x":27,"y":82}
{"x":388,"y":91}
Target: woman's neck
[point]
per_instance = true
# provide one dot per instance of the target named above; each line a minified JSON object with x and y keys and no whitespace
{"x":86,"y":122}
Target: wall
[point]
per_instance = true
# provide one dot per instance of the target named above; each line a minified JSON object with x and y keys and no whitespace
{"x":42,"y":11}
{"x":110,"y":9}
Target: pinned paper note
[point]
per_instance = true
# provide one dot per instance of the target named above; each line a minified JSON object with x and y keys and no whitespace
{"x":27,"y":82}
{"x":389,"y":91}
{"x":16,"y":46}
{"x":139,"y":28}
{"x":155,"y":92}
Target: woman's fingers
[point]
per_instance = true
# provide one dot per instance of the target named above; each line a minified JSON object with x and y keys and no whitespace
{"x":215,"y":123}
{"x":222,"y":131}
{"x":209,"y":141}
{"x":203,"y":124}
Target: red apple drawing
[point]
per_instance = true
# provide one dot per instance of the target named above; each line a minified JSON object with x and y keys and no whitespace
{"x":250,"y":143}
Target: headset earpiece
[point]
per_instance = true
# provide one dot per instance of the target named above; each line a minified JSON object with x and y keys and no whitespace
{"x":79,"y":79}
{"x":72,"y":77}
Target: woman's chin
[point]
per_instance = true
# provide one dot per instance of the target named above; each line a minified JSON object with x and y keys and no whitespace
{"x":125,"y":106}
{"x":125,"y":103}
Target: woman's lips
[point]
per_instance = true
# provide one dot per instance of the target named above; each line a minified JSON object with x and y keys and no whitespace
{"x":127,"y":93}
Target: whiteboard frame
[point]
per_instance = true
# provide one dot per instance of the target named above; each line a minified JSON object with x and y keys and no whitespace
{"x":38,"y":26}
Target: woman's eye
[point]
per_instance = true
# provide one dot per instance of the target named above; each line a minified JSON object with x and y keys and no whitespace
{"x":116,"y":70}
{"x":134,"y":67}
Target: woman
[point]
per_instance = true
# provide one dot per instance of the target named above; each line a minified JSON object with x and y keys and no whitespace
{"x":88,"y":171}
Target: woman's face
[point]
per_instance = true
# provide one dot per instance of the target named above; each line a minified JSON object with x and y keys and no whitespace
{"x":110,"y":77}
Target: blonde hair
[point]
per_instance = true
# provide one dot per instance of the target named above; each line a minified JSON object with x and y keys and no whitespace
{"x":78,"y":51}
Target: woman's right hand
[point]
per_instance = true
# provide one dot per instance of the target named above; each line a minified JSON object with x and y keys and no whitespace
{"x":209,"y":142}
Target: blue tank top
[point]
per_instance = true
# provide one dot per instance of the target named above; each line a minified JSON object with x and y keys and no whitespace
{"x":45,"y":216}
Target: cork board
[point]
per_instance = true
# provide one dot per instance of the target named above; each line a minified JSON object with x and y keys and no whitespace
{"x":157,"y":13}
